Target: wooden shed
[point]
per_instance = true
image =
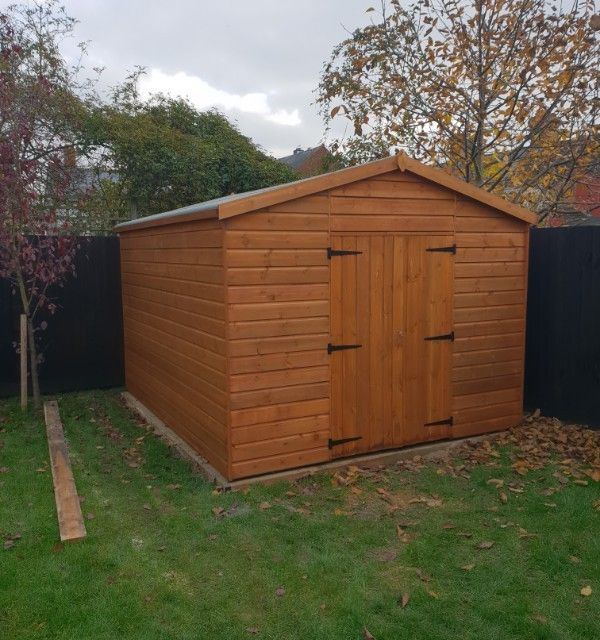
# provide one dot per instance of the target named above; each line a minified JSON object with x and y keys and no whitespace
{"x":362,"y":310}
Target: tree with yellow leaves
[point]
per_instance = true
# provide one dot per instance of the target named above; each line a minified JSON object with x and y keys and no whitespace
{"x":502,"y":93}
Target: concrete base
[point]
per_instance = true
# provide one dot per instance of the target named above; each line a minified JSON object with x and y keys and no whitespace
{"x":181,"y":447}
{"x":428,"y":450}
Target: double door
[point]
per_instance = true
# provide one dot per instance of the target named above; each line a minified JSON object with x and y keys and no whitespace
{"x":391,"y":341}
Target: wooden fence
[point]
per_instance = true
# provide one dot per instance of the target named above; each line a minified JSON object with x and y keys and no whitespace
{"x":562,"y":367}
{"x":82,"y":346}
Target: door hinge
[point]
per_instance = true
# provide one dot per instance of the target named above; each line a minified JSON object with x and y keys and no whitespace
{"x":439,"y":423}
{"x":341,"y":347}
{"x":341,"y":252}
{"x":445,"y":336}
{"x":335,"y":443}
{"x":451,"y":249}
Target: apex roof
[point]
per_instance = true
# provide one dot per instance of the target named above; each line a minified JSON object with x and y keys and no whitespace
{"x":239,"y":203}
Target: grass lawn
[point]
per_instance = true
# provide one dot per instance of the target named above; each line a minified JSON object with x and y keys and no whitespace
{"x":325,"y":557}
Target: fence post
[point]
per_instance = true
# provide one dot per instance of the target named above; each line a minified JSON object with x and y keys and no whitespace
{"x":23,"y":354}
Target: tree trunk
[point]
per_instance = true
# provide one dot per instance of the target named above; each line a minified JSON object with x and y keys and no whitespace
{"x":35,"y":382}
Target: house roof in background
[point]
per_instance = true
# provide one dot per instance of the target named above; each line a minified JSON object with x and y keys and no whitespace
{"x":239,"y":203}
{"x":301,"y":156}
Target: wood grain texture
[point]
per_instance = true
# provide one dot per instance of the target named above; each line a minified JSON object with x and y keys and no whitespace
{"x":175,"y":330}
{"x":68,"y":508}
{"x":278,"y":329}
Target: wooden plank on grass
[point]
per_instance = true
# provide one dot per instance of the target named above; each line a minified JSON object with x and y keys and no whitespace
{"x":70,"y":519}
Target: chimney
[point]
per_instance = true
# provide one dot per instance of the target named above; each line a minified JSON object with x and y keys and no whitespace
{"x":297,"y":150}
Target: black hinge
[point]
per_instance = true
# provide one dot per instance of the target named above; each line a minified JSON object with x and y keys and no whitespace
{"x":340,"y":252}
{"x":439,"y":423}
{"x":451,"y":249}
{"x":445,"y":336}
{"x":334,"y":443}
{"x":341,"y":347}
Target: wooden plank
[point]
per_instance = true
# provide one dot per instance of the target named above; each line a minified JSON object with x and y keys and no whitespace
{"x":391,"y":207}
{"x":268,"y":221}
{"x":275,"y":328}
{"x":486,"y":398}
{"x":490,"y":328}
{"x":482,"y":313}
{"x":487,"y":370}
{"x":277,"y":239}
{"x":482,"y":239}
{"x":274,"y":446}
{"x":269,"y":464}
{"x":276,"y":257}
{"x":363,"y":331}
{"x":478,"y":343}
{"x":211,"y":256}
{"x":482,"y":385}
{"x":262,"y":397}
{"x":275,"y":412}
{"x":469,"y":416}
{"x":276,"y":361}
{"x":336,"y":333}
{"x":207,"y":274}
{"x":438,"y":297}
{"x":68,"y":508}
{"x":282,"y":428}
{"x":280,"y":378}
{"x":278,"y":275}
{"x":490,"y":254}
{"x":489,"y":269}
{"x":468,"y":285}
{"x":487,"y":426}
{"x":278,"y":293}
{"x":173,"y":238}
{"x":378,"y":392}
{"x":278,"y":344}
{"x":278,"y":310}
{"x":213,"y":292}
{"x":396,"y":223}
{"x":374,"y":188}
{"x":488,"y":299}
{"x":486,"y":356}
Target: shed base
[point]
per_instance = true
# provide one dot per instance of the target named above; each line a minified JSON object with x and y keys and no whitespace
{"x":429,"y":451}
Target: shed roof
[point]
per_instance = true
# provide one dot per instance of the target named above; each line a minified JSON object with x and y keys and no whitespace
{"x":239,"y":203}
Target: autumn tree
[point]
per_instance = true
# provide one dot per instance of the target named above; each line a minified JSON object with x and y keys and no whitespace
{"x":43,"y":109}
{"x":503,"y":93}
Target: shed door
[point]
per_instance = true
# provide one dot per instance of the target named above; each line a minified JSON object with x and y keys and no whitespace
{"x":391,"y":341}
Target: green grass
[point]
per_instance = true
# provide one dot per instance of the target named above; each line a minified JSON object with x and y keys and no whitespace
{"x":158,"y":563}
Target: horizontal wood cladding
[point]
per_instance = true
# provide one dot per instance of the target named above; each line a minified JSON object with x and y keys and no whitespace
{"x":174,"y":330}
{"x":278,"y":329}
{"x":489,"y":319}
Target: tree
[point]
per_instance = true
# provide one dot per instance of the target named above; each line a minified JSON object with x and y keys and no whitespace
{"x":42,"y":109}
{"x":503,"y":93}
{"x":163,"y":153}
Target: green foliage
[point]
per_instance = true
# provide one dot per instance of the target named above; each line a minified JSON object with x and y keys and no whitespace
{"x":165,"y":154}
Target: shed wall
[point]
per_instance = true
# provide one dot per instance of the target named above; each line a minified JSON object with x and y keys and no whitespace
{"x":174,"y":330}
{"x":278,"y":309}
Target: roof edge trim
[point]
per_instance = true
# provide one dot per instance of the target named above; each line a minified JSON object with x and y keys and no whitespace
{"x":406,"y":163}
{"x":306,"y":187}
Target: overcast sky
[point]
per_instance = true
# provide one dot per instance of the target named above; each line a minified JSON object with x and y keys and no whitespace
{"x":258,"y":61}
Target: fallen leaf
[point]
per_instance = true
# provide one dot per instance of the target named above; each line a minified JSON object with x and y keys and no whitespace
{"x":503,"y":497}
{"x":539,"y":617}
{"x":486,"y":544}
{"x":9,"y":544}
{"x":265,"y":505}
{"x":367,"y":635}
{"x":90,"y":516}
{"x":468,"y":567}
{"x":448,"y":525}
{"x":433,"y":594}
{"x":422,"y":576}
{"x":496,"y":482}
{"x":280,"y":591}
{"x":3,"y":469}
{"x":586,"y":591}
{"x":217,"y":511}
{"x":575,"y":559}
{"x":252,"y":630}
{"x":404,"y":600}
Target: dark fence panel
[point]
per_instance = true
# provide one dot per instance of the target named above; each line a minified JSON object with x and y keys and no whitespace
{"x":562,"y":368}
{"x":83,"y":344}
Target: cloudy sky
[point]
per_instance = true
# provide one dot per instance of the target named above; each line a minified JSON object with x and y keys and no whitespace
{"x":258,"y":61}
